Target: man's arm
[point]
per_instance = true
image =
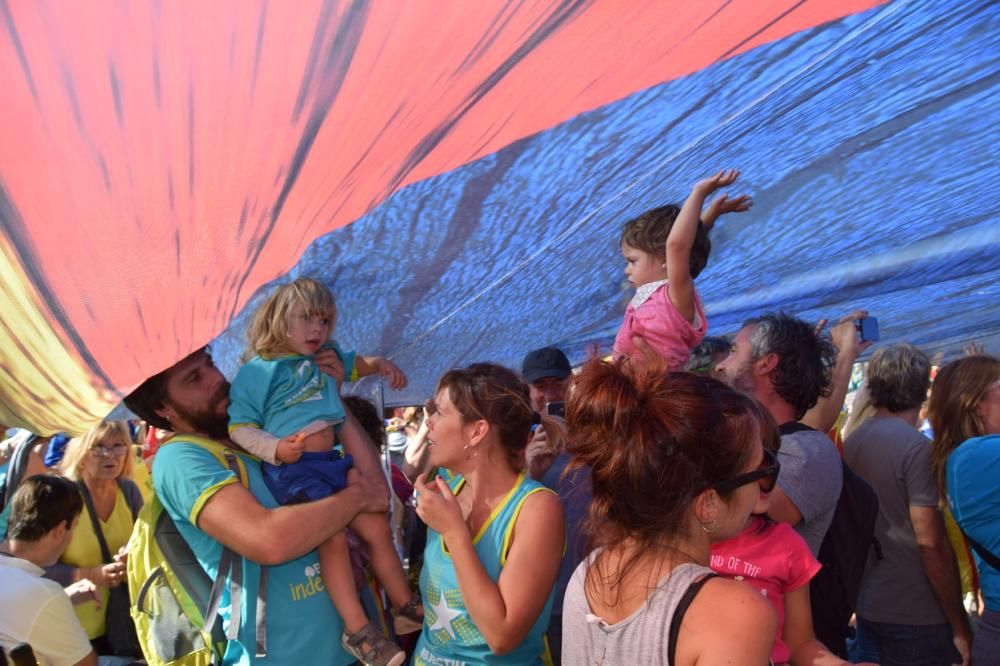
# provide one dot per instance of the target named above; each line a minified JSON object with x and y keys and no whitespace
{"x":234,"y":517}
{"x":942,"y":571}
{"x":782,"y":509}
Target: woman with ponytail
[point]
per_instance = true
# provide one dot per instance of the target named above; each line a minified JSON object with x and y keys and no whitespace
{"x":677,"y":463}
{"x":495,"y":537}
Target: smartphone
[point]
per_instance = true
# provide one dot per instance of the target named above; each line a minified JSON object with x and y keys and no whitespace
{"x":867,"y":328}
{"x":556,"y":409}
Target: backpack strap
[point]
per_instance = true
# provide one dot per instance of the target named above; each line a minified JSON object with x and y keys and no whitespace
{"x":793,"y":427}
{"x":983,"y":552}
{"x":16,"y":469}
{"x":682,"y":607}
{"x":231,"y":563}
{"x":88,"y":502}
{"x":133,"y":498}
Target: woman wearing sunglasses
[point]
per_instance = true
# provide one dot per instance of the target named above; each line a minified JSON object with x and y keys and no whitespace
{"x":678,"y":462}
{"x":776,"y":561}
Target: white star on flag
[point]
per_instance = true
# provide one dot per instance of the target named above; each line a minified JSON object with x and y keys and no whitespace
{"x":444,"y":616}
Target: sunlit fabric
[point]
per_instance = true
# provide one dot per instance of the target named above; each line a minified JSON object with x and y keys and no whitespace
{"x":458,"y":173}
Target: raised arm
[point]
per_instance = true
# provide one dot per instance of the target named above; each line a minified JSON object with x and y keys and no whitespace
{"x":721,"y":205}
{"x":416,"y":457}
{"x":681,"y":239}
{"x":845,"y":337}
{"x":503,"y":611}
{"x":370,"y":365}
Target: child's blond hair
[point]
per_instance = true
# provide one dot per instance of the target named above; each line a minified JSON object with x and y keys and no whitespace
{"x":267,"y":334}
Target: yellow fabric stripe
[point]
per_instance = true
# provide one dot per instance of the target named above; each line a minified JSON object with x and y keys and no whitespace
{"x":44,"y":385}
{"x":499,"y":507}
{"x":207,"y":495}
{"x":510,"y":526}
{"x":493,"y":514}
{"x":234,"y":426}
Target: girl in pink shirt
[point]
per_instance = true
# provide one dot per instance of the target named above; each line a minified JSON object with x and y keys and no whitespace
{"x":773,"y":559}
{"x":665,"y":249}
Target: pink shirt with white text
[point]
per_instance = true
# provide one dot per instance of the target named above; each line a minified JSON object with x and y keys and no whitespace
{"x":774,"y":560}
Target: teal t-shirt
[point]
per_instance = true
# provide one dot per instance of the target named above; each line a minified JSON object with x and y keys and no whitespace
{"x":282,"y":395}
{"x":302,"y":625}
{"x":449,"y":637}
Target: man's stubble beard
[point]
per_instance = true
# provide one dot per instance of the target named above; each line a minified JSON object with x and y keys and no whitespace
{"x":208,"y":421}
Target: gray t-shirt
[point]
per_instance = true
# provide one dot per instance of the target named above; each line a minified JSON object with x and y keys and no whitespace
{"x":811,"y":477}
{"x":640,"y":639}
{"x":894,"y":459}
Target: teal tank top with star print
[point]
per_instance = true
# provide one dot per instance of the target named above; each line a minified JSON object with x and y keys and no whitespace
{"x":449,"y":637}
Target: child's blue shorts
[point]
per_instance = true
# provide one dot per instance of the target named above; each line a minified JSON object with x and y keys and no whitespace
{"x":313,"y":476}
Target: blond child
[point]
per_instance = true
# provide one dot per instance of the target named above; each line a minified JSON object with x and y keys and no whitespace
{"x":286,"y":412}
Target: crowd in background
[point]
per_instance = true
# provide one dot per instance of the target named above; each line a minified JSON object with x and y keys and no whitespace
{"x":687,"y":499}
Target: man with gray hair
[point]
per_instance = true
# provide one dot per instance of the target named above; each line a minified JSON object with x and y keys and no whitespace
{"x":783,"y":363}
{"x":909,"y":609}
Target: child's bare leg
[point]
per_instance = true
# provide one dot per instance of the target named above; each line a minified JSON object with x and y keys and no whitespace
{"x":335,"y":569}
{"x":373,"y":529}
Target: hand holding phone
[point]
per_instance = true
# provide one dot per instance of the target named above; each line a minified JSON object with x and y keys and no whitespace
{"x":556,"y":409}
{"x":867,"y":329}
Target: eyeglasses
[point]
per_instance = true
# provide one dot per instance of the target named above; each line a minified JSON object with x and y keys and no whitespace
{"x":766,"y":475}
{"x":114,"y":450}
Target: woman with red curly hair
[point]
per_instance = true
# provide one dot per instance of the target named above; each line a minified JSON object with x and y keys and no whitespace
{"x":677,"y":463}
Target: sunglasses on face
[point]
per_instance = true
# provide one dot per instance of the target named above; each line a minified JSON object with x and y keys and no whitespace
{"x":766,"y":476}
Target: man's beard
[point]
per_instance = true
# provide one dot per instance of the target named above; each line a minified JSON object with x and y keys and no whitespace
{"x":208,"y":421}
{"x":739,"y":378}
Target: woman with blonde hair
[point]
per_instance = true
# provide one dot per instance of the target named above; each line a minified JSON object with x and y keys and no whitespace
{"x":101,"y":463}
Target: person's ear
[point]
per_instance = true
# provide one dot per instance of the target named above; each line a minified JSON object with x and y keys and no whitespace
{"x":479,"y":430}
{"x":766,"y":364}
{"x":166,"y":412}
{"x":59,"y":532}
{"x":707,"y":506}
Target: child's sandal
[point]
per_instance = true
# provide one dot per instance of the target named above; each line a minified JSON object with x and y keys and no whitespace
{"x":381,"y":651}
{"x":409,"y":618}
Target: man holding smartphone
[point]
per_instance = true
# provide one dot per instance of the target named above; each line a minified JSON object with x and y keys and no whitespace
{"x":547,"y":373}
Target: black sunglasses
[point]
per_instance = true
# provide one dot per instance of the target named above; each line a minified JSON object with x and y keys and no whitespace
{"x":766,"y":475}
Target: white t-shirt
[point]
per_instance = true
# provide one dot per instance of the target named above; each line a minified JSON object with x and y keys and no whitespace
{"x":37,"y":611}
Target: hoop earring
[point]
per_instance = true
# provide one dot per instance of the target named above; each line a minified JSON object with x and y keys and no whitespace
{"x":710,"y":530}
{"x":475,"y":451}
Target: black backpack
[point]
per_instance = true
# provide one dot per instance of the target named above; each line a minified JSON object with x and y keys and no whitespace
{"x":845,"y":550}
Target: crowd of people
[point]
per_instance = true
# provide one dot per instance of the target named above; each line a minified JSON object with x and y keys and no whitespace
{"x":687,"y":499}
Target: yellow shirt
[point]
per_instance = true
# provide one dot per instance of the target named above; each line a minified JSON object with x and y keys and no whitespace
{"x":142,"y":478}
{"x":85,"y":551}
